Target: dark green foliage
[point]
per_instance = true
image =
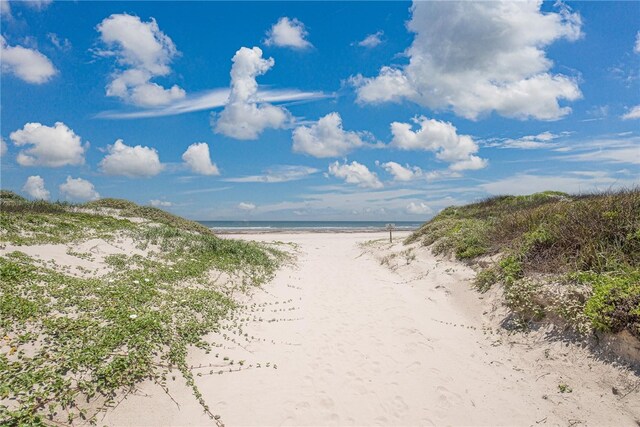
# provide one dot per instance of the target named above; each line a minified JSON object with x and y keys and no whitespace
{"x":591,"y":240}
{"x":111,"y":204}
{"x":615,"y":303}
{"x":6,"y":195}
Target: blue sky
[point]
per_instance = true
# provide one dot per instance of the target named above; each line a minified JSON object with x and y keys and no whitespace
{"x":317,"y":110}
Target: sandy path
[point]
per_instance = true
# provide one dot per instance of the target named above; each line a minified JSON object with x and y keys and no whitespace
{"x":356,"y":343}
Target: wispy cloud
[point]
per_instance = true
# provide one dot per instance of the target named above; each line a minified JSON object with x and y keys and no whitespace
{"x":283,"y":173}
{"x":570,"y":182}
{"x":527,"y":142}
{"x":624,"y":149}
{"x":206,"y":190}
{"x":211,"y":99}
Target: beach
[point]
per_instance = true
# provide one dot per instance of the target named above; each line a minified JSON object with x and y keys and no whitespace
{"x":358,"y":331}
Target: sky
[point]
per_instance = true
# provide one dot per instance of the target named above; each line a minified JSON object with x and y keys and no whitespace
{"x":317,"y":110}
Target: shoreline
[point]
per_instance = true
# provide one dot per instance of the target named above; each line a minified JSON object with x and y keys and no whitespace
{"x":300,"y":230}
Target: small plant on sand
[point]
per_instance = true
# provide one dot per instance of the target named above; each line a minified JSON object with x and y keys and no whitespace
{"x":564,"y":388}
{"x":70,"y":344}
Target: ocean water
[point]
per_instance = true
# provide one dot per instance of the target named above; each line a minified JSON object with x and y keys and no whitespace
{"x":317,"y":226}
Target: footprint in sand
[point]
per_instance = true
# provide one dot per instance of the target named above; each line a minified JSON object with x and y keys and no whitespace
{"x":414,"y":367}
{"x":447,"y":397}
{"x":381,"y":421}
{"x":327,"y":402}
{"x":399,"y":406}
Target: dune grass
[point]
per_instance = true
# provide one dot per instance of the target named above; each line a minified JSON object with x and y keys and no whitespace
{"x":69,"y":345}
{"x":574,"y":256}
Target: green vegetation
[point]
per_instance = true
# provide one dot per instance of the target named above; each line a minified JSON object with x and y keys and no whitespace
{"x":576,"y":257}
{"x":71,"y":342}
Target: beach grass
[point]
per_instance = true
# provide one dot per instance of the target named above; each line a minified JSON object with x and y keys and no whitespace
{"x":72,"y":343}
{"x":576,"y":257}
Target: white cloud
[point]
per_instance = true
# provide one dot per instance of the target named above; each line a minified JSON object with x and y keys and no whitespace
{"x":277,"y":174}
{"x":355,"y":173}
{"x":60,"y":43}
{"x":288,"y":33}
{"x":636,"y":47}
{"x":5,"y":10}
{"x":401,"y":173}
{"x":243,"y":117}
{"x":3,"y":147}
{"x":325,"y":138}
{"x":27,"y":64}
{"x":372,"y":40}
{"x":50,"y":146}
{"x":481,"y":57}
{"x":634,"y":113}
{"x":441,"y":138}
{"x":160,"y":203}
{"x":213,"y":99}
{"x":5,"y":7}
{"x":38,"y":4}
{"x":522,"y":184}
{"x":132,"y":162}
{"x":78,"y":189}
{"x":391,"y":85}
{"x":34,"y":187}
{"x":144,"y":52}
{"x":243,"y":206}
{"x":629,"y":155}
{"x":198,"y":159}
{"x":418,"y":208}
{"x":528,"y":142}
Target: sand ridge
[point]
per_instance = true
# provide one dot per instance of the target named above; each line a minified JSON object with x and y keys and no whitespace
{"x":347,"y":337}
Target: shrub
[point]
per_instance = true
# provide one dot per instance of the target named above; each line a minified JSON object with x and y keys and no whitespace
{"x":615,"y":303}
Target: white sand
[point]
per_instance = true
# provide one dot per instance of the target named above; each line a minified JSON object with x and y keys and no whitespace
{"x":358,"y":343}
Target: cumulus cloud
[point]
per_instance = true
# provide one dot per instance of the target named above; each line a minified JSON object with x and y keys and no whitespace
{"x":372,"y":40}
{"x":3,"y":147}
{"x":283,"y":173}
{"x":288,"y":33}
{"x":198,"y":159}
{"x":34,"y":187}
{"x":160,"y":203}
{"x":636,"y":47}
{"x":49,"y":146}
{"x":355,"y":173}
{"x":28,"y":65}
{"x":441,"y":138}
{"x":243,"y":117}
{"x":401,"y":173}
{"x":633,"y":113}
{"x":243,"y":206}
{"x":78,"y":189}
{"x":479,"y":57}
{"x":132,"y":162}
{"x":420,"y":208}
{"x":143,"y":52}
{"x":391,"y":85}
{"x":326,"y":138}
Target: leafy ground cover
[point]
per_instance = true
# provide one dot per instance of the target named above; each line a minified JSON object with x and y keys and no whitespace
{"x":572,"y":256}
{"x":69,"y":345}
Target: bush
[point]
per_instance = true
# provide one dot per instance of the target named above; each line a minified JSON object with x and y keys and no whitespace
{"x":615,"y":303}
{"x":593,"y":239}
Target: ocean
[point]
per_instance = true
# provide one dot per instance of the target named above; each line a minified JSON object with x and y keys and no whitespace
{"x":299,"y":226}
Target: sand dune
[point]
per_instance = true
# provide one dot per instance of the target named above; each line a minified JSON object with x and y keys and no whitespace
{"x":345,"y":339}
